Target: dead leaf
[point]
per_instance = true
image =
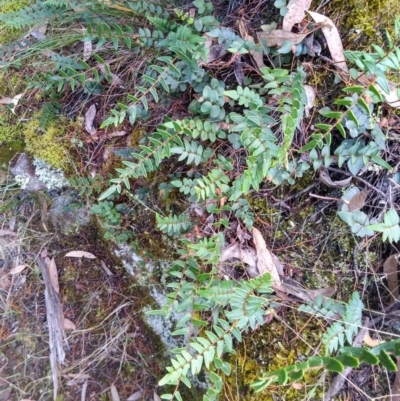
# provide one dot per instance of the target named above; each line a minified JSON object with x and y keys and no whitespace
{"x":257,"y":56}
{"x":297,"y":386}
{"x":6,"y":100}
{"x":392,"y":99}
{"x":137,"y":395}
{"x":87,"y":50}
{"x":116,"y":134}
{"x":114,"y":393}
{"x":326,"y":179}
{"x":310,"y":93}
{"x":295,"y":14}
{"x":370,"y":341}
{"x":245,"y":255}
{"x":80,"y":254}
{"x":7,"y":232}
{"x":156,"y":397}
{"x":390,"y":269}
{"x":216,"y":52}
{"x":53,"y":275}
{"x":115,"y":79}
{"x":238,"y":70}
{"x":265,"y":262}
{"x":68,"y":325}
{"x":278,"y":37}
{"x":89,"y":118}
{"x":15,"y":101}
{"x":333,"y":39}
{"x":357,"y":201}
{"x":17,"y":269}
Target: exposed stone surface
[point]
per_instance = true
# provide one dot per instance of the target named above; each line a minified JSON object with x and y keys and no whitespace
{"x":21,"y":166}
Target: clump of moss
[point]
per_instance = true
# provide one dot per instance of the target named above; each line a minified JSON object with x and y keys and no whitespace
{"x":364,"y":20}
{"x":10,"y":129}
{"x":8,"y":34}
{"x":270,"y":348}
{"x":47,"y":144}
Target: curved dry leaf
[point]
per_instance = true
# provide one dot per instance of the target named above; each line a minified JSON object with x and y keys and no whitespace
{"x":370,"y":341}
{"x":265,"y":261}
{"x":17,"y":269}
{"x":68,"y":325}
{"x":137,"y":395}
{"x":156,"y":397}
{"x":53,"y":275}
{"x":324,"y":177}
{"x":333,"y":39}
{"x":357,"y":201}
{"x":279,"y":36}
{"x":80,"y":254}
{"x":296,"y":13}
{"x":390,"y":269}
{"x":89,"y":118}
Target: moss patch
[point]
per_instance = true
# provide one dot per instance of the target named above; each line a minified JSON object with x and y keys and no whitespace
{"x":50,"y":144}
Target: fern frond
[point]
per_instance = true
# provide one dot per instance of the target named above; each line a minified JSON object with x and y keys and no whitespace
{"x":173,"y":225}
{"x":323,"y":307}
{"x":207,"y":185}
{"x":31,"y":15}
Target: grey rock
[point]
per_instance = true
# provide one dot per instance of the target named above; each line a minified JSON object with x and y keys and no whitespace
{"x":21,"y":166}
{"x":66,"y":215}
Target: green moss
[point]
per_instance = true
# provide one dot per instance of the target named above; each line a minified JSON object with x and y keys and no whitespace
{"x":270,"y":348}
{"x":6,"y":6}
{"x":48,"y":144}
{"x":362,"y":22}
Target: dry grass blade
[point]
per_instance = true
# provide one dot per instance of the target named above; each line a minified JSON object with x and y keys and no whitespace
{"x":54,"y":314}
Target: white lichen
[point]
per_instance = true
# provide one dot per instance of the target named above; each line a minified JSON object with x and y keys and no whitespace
{"x":52,"y":177}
